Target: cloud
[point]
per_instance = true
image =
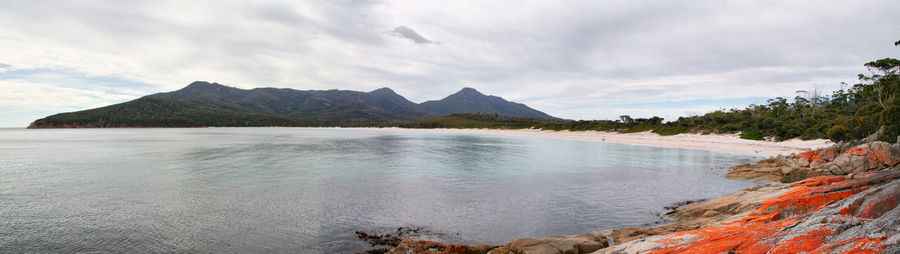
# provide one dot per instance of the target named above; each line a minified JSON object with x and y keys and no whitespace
{"x":579,"y":60}
{"x":408,"y":33}
{"x":23,"y":102}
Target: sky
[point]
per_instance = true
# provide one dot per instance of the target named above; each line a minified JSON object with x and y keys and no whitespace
{"x":572,"y":59}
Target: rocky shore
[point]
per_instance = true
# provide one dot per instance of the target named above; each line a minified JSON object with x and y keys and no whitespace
{"x":841,"y":199}
{"x":840,"y":159}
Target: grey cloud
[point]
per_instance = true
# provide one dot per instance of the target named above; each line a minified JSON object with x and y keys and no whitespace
{"x":408,"y":33}
{"x":281,"y":13}
{"x":576,"y":60}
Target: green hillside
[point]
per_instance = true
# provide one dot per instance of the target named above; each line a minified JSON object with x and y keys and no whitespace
{"x":210,"y":104}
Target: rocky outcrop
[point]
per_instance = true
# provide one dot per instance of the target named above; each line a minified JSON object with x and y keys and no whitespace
{"x":584,"y":243}
{"x":429,"y":247}
{"x":840,"y":159}
{"x":826,"y":214}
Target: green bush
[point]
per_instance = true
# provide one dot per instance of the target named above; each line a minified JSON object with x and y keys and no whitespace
{"x":890,"y":118}
{"x":639,"y":128}
{"x":838,"y":132}
{"x":752,"y":135}
{"x":669,"y":131}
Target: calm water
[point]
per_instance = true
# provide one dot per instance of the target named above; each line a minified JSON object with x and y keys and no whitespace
{"x":307,"y":190}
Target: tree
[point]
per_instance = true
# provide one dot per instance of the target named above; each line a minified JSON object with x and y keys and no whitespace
{"x":881,"y":83}
{"x":890,"y":119}
{"x":626,"y":119}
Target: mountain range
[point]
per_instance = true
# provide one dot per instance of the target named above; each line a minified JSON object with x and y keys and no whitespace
{"x":205,"y":104}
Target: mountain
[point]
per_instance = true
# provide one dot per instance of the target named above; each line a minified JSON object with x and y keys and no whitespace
{"x":470,"y":100}
{"x":211,"y":104}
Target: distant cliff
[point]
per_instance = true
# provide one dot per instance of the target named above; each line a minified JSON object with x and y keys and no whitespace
{"x":204,"y":104}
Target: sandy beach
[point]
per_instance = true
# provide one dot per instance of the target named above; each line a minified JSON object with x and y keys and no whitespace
{"x":725,"y":143}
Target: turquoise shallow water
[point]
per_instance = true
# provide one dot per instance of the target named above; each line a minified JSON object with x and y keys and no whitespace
{"x":307,"y":190}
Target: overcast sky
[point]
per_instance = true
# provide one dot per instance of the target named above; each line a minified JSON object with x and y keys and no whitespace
{"x":572,"y":59}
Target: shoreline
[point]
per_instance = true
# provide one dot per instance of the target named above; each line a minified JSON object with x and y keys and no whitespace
{"x":722,"y":143}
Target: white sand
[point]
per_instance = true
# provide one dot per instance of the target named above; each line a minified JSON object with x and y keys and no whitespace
{"x":724,"y":143}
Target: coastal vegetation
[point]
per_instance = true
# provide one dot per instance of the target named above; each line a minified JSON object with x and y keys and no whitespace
{"x":852,"y":112}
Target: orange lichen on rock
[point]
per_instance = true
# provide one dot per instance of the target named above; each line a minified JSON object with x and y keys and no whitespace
{"x":821,"y":155}
{"x":859,"y":150}
{"x":807,"y":196}
{"x":722,"y":238}
{"x":812,"y":216}
{"x":862,"y":245}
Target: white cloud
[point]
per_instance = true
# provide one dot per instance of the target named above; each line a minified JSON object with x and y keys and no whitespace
{"x":37,"y":100}
{"x":574,"y":59}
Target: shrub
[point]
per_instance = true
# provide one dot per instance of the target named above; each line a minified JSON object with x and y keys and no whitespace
{"x":838,"y":132}
{"x":669,"y":131}
{"x":752,"y":135}
{"x":890,"y":119}
{"x":639,"y":128}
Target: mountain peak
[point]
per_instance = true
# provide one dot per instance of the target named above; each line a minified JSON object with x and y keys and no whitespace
{"x":204,"y":85}
{"x":383,"y":90}
{"x":198,"y":88}
{"x":469,"y":91}
{"x":470,"y":100}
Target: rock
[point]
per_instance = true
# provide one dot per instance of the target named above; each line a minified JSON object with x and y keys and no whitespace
{"x":500,"y":250}
{"x":422,"y":246}
{"x":803,"y":163}
{"x":788,"y":170}
{"x":842,"y":162}
{"x":757,"y":172}
{"x":709,"y":214}
{"x":834,"y":169}
{"x":781,"y":161}
{"x":860,"y":164}
{"x":868,"y":157}
{"x":883,"y":154}
{"x":840,"y":159}
{"x":585,"y":243}
{"x":817,"y":165}
{"x":798,"y":175}
{"x":532,"y":246}
{"x":827,"y":214}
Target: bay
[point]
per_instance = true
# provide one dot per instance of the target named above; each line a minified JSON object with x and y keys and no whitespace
{"x":306,"y":190}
